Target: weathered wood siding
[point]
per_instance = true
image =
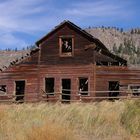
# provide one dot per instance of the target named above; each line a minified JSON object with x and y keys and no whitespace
{"x":79,"y":65}
{"x":26,"y":70}
{"x":50,"y":49}
{"x":48,"y":63}
{"x":124,"y":75}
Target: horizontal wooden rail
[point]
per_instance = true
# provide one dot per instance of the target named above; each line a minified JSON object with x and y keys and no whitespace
{"x":75,"y":95}
{"x":107,"y":91}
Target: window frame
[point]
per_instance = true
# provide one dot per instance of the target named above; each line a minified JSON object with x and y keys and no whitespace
{"x":130,"y":87}
{"x":14,"y":93}
{"x":4,"y":93}
{"x":87,"y":85}
{"x":49,"y":93}
{"x":67,"y":54}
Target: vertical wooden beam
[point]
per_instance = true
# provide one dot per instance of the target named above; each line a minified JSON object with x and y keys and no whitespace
{"x":38,"y":73}
{"x":94,"y":73}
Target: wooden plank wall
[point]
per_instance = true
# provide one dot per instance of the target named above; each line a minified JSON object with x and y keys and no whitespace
{"x":50,"y":49}
{"x":48,"y":63}
{"x":25,"y":70}
{"x":62,"y":72}
{"x":52,"y":65}
{"x":124,"y":75}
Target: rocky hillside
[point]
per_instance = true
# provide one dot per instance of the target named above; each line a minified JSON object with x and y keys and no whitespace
{"x":125,"y":44}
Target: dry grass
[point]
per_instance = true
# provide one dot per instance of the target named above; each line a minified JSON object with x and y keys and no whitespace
{"x":51,"y":131}
{"x":118,"y":120}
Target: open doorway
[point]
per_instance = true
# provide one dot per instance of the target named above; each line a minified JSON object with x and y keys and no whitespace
{"x":66,"y":87}
{"x":114,"y":87}
{"x":49,"y":86}
{"x":20,"y":90}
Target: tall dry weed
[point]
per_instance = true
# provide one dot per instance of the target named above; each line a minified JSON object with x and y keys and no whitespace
{"x":130,"y":118}
{"x":51,"y":131}
{"x":105,"y":120}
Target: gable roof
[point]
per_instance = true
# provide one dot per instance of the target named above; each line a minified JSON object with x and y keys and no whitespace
{"x":75,"y":27}
{"x":104,"y":55}
{"x":99,"y":44}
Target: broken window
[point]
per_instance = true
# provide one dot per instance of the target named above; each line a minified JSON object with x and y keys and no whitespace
{"x":114,"y":88}
{"x":83,"y":86}
{"x":2,"y":89}
{"x":49,"y":86}
{"x":135,"y":90}
{"x":66,"y":46}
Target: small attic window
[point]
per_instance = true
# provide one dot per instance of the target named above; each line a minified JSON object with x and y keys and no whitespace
{"x":66,"y":44}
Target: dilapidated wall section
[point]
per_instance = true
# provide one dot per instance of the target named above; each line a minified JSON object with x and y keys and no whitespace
{"x":73,"y":67}
{"x":124,"y":75}
{"x":48,"y":62}
{"x":68,"y":54}
{"x":27,"y":71}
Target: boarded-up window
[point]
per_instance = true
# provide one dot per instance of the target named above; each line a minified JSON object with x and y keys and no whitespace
{"x":49,"y":86}
{"x":83,"y":85}
{"x":66,"y":46}
{"x":2,"y":89}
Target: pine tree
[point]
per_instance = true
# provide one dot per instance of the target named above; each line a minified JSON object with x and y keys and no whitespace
{"x":103,"y":27}
{"x":135,"y":31}
{"x":15,"y":50}
{"x":89,"y":27}
{"x":121,"y":30}
{"x":115,"y":48}
{"x":132,"y":31}
{"x":138,"y":52}
{"x":120,"y":49}
{"x":118,"y":29}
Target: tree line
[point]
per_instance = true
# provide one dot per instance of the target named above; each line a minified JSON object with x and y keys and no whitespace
{"x":23,"y":49}
{"x":128,"y":51}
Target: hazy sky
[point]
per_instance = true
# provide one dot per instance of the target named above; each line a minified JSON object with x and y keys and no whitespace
{"x":23,"y":22}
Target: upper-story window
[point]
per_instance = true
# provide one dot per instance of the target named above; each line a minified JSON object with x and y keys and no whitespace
{"x":66,"y":44}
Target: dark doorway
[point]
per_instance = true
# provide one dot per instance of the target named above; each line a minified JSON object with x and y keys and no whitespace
{"x":49,"y":86}
{"x":66,"y":87}
{"x":20,"y":89}
{"x":114,"y":87}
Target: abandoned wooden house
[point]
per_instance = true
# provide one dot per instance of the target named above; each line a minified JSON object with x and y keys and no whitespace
{"x":70,"y":64}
